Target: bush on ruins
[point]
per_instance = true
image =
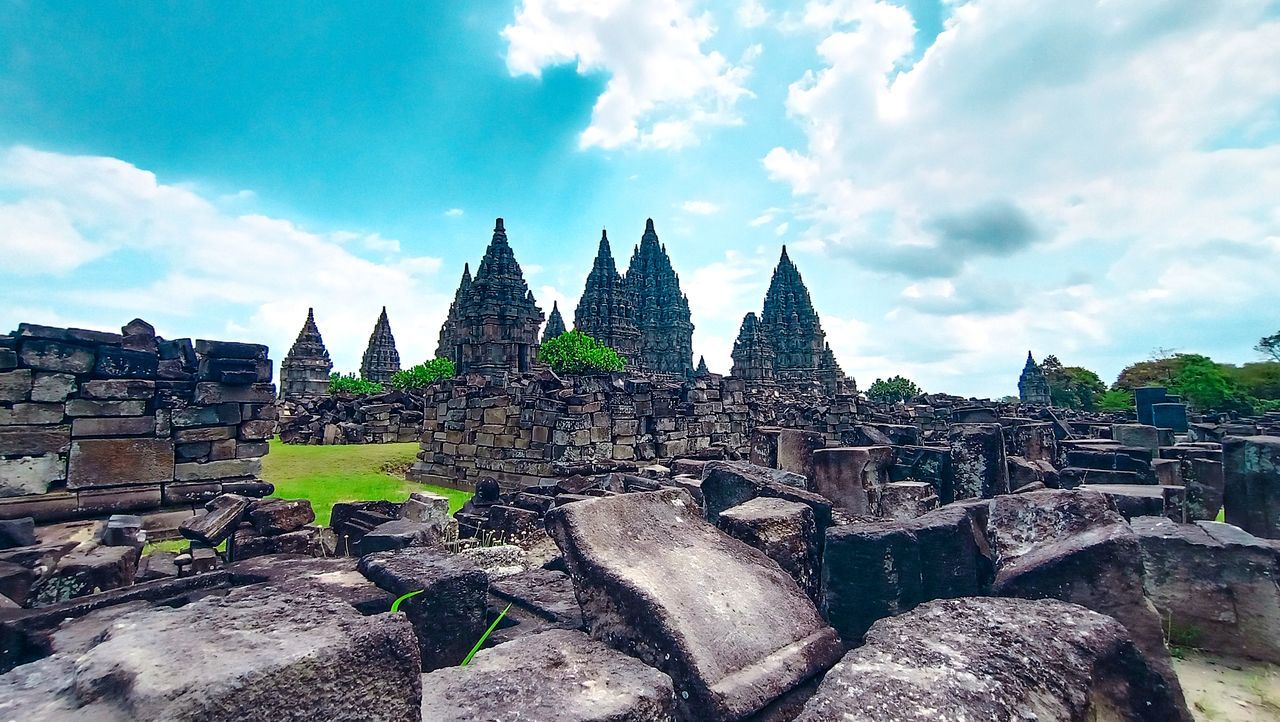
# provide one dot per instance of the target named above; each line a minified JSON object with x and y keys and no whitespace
{"x":350,"y":383}
{"x":574,"y":352}
{"x":423,"y":375}
{"x":898,"y":388}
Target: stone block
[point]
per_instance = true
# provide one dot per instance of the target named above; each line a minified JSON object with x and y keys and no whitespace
{"x":16,"y":385}
{"x":213,"y":393}
{"x":31,"y":413}
{"x":227,"y":469}
{"x":252,"y":449}
{"x":400,"y":534}
{"x":86,"y":407}
{"x":222,"y":449}
{"x":978,"y":461}
{"x":905,"y":500}
{"x":195,"y":493}
{"x":851,"y":477}
{"x":1170,"y":416}
{"x":1140,"y":435}
{"x":727,"y":484}
{"x":424,"y":506}
{"x":52,"y":387}
{"x":225,"y":514}
{"x":208,"y":433}
{"x":103,"y":502}
{"x":646,"y":593}
{"x":784,"y":531}
{"x":1146,"y":397}
{"x":115,"y":462}
{"x":968,"y":659}
{"x":869,"y":571}
{"x":81,"y":573}
{"x":449,"y":616}
{"x":30,"y":474}
{"x":114,"y":426}
{"x":310,"y":655}
{"x":122,"y":363}
{"x":1251,"y":466}
{"x":257,"y":430}
{"x":118,"y":390}
{"x":49,"y":355}
{"x":1205,"y":483}
{"x":17,"y":532}
{"x":279,"y":516}
{"x":227,"y":414}
{"x":554,"y":675}
{"x":230,"y":349}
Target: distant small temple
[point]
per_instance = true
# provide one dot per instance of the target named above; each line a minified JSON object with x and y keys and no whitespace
{"x":305,"y":369}
{"x":381,"y":359}
{"x":1033,"y":385}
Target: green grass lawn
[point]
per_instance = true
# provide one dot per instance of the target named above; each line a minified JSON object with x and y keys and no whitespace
{"x":330,"y":474}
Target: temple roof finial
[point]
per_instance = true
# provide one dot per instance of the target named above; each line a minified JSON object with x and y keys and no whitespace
{"x":497,"y":225}
{"x":648,"y":225}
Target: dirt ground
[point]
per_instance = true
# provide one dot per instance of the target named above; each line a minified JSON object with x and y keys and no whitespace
{"x":1229,"y":688}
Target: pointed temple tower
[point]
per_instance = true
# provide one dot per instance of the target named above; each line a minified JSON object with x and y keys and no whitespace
{"x":444,"y":346}
{"x":661,"y":309}
{"x":305,"y":369}
{"x":789,"y":322}
{"x":493,"y":326}
{"x":1033,"y":385}
{"x":702,"y":369}
{"x":555,"y":324}
{"x":607,"y":309}
{"x":381,"y":359}
{"x":752,"y":354}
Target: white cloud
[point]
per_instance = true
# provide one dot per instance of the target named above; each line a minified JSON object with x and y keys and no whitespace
{"x":208,"y":270}
{"x":700,"y":208}
{"x":1124,"y":138}
{"x":765,"y":218}
{"x":752,"y":14}
{"x":781,"y":229}
{"x":453,"y":212}
{"x":663,"y":86}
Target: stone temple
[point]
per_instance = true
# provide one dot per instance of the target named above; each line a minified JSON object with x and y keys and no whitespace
{"x":305,"y":370}
{"x":606,"y":311}
{"x":494,"y":321}
{"x":555,"y":323}
{"x":381,"y":359}
{"x":1033,"y":386}
{"x":661,"y":309}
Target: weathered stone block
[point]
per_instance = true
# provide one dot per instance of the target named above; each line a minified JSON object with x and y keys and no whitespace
{"x":279,"y":516}
{"x":211,"y":393}
{"x":85,"y":572}
{"x":115,"y":462}
{"x":1251,"y":465}
{"x":209,"y":433}
{"x":118,"y":390}
{"x":118,"y":500}
{"x":869,"y":571}
{"x":851,"y":477}
{"x":16,"y":385}
{"x":48,"y":355}
{"x":256,"y":430}
{"x":556,"y":674}
{"x":905,"y":500}
{"x":122,"y":363}
{"x":727,"y":484}
{"x":978,"y":465}
{"x":114,"y":426}
{"x":228,"y":469}
{"x":784,"y":531}
{"x":995,"y":659}
{"x":17,"y":532}
{"x":645,"y":593}
{"x":400,"y":534}
{"x":225,"y":513}
{"x":227,"y":414}
{"x":1139,"y":435}
{"x":52,"y":387}
{"x":31,"y":413}
{"x":85,"y":407}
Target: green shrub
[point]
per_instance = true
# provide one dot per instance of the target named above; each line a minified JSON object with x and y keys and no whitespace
{"x":574,"y":352}
{"x":423,"y":375}
{"x":898,"y":388}
{"x":350,"y":383}
{"x":1115,"y":400}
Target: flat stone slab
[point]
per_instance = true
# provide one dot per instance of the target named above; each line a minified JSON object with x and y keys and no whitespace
{"x":994,"y":659}
{"x":117,"y":462}
{"x":658,"y":582}
{"x":254,"y":655}
{"x":558,"y":675}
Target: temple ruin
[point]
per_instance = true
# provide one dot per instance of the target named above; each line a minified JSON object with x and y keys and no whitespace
{"x":306,"y":368}
{"x":1033,"y":385}
{"x":661,"y":308}
{"x":381,"y":359}
{"x":607,"y":310}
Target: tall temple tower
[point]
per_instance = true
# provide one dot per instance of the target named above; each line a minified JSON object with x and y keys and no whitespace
{"x":661,"y":309}
{"x":449,"y":330}
{"x":752,"y":354}
{"x":789,"y":322}
{"x":495,"y":324}
{"x":305,"y":369}
{"x":606,"y":311}
{"x":1033,"y":385}
{"x":555,"y":323}
{"x":381,"y":359}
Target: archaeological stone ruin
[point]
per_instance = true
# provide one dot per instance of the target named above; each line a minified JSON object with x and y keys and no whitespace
{"x":659,"y":543}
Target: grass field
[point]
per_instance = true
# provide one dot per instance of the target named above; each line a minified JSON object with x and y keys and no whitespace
{"x":330,"y":474}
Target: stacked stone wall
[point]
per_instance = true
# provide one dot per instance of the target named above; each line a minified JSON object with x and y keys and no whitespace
{"x":94,"y":423}
{"x":525,"y":428}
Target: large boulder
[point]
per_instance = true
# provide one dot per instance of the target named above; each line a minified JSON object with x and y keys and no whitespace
{"x":449,"y":616}
{"x":1251,"y":465}
{"x":995,"y":659}
{"x":254,"y":654}
{"x":1070,"y":545}
{"x":731,"y":628}
{"x":1214,"y":584}
{"x":553,"y":676}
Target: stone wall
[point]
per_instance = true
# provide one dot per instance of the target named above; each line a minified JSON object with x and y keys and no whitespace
{"x":93,"y":423}
{"x":386,"y":418}
{"x":519,"y":429}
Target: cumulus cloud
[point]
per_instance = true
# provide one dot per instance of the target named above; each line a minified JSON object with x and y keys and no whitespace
{"x":211,"y":272}
{"x":1128,"y":139}
{"x":663,"y":85}
{"x":700,"y":208}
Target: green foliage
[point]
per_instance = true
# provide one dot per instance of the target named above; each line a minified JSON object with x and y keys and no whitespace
{"x":1072,"y":387}
{"x":350,"y":383}
{"x":574,"y":352}
{"x":1257,"y":380}
{"x":423,"y":375}
{"x":1205,"y":384}
{"x":1115,"y":400}
{"x":1269,"y":346}
{"x":898,"y":388}
{"x":1201,"y":383}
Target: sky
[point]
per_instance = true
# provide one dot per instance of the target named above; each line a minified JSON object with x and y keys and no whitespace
{"x":958,"y":182}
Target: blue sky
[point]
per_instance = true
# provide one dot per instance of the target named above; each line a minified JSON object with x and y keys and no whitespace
{"x":957,"y":181}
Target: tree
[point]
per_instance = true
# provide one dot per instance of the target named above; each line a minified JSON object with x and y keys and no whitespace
{"x":1115,"y":400}
{"x":898,"y":388}
{"x":1201,"y":382}
{"x":349,"y":383}
{"x":423,"y":375}
{"x":574,"y":352}
{"x":1269,"y":346}
{"x":1072,"y":387}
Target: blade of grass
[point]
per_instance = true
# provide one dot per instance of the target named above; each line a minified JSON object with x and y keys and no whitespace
{"x":484,"y":636}
{"x":395,"y":606}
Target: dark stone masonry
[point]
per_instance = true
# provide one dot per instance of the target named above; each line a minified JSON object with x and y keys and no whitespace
{"x":306,"y":368}
{"x":381,"y":359}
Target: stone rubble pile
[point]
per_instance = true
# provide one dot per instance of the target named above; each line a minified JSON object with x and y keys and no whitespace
{"x":386,"y":418}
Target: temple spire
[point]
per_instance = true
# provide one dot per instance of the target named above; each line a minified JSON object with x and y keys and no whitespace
{"x":555,"y":323}
{"x":661,"y":309}
{"x":381,"y":359}
{"x":606,"y":311}
{"x":305,"y":369}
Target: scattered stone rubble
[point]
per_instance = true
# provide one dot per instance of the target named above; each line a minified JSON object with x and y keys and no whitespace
{"x":386,"y":418}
